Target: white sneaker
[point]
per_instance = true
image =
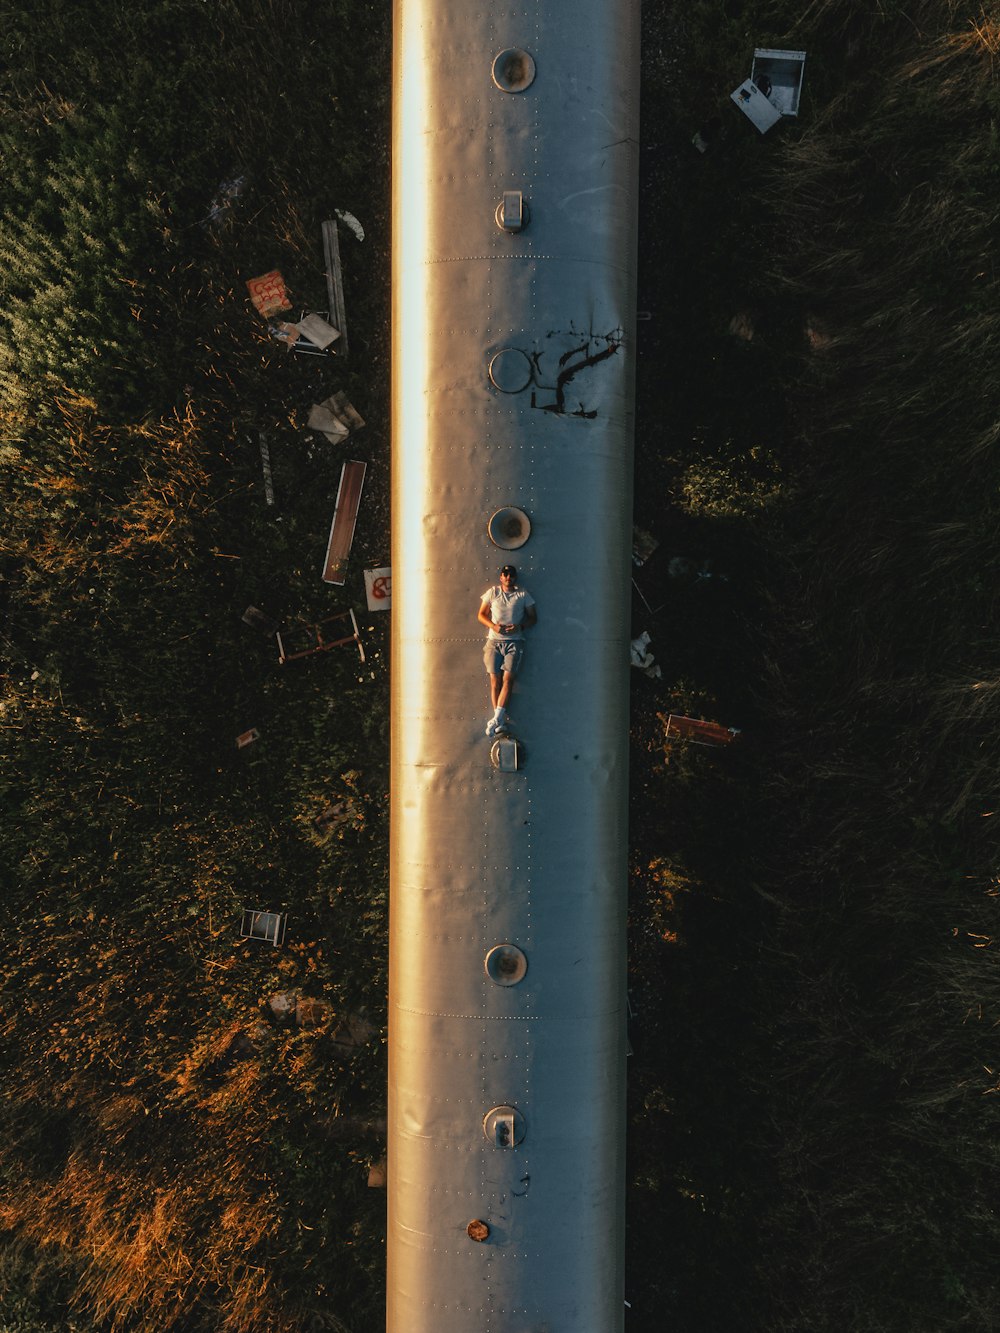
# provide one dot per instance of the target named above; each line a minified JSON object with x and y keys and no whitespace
{"x":491,"y":727}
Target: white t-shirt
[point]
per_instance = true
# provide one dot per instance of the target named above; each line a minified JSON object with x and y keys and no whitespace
{"x":507,"y":608}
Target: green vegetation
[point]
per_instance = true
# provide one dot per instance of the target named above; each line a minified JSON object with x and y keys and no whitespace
{"x":813,"y":1092}
{"x":174,"y":1156}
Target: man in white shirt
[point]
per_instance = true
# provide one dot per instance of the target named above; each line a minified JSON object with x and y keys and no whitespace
{"x":507,"y":611}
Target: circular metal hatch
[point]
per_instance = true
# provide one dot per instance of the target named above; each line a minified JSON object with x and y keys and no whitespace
{"x":513,"y":70}
{"x":510,"y":370}
{"x":504,"y":1126}
{"x":506,"y":964}
{"x":509,"y":528}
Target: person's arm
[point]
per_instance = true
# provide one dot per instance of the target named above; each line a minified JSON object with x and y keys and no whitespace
{"x":484,"y":613}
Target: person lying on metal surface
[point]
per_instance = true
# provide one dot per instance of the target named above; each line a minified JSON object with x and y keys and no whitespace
{"x":507,"y":611}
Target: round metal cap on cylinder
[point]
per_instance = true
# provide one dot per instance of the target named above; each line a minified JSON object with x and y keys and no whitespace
{"x":513,"y":70}
{"x":510,"y":370}
{"x":477,"y":1230}
{"x":506,"y":965}
{"x":509,"y":528}
{"x":504,"y":1126}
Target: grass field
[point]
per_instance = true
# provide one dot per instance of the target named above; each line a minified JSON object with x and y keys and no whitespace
{"x":813,"y":911}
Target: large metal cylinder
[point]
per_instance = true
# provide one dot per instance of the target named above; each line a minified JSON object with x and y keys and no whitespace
{"x":515,"y":151}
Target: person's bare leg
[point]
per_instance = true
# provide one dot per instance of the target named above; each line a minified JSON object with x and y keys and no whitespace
{"x":494,"y":689}
{"x":504,"y":695}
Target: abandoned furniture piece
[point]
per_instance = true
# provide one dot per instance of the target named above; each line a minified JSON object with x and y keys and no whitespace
{"x":260,"y":925}
{"x":774,"y":87}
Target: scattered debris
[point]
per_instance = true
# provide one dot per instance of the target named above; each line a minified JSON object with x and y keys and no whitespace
{"x":265,"y":462}
{"x":773,"y":88}
{"x":700,"y":142}
{"x":349,"y":220}
{"x":246,"y":738}
{"x":779,"y":74}
{"x":377,"y":1175}
{"x":334,"y":281}
{"x":683,"y":569}
{"x":235,"y":1049}
{"x":268,"y":294}
{"x":284,"y":1004}
{"x":701,"y":733}
{"x":312,"y":334}
{"x":345,"y":517}
{"x":318,"y":330}
{"x":817,"y":334}
{"x":643,"y":545}
{"x":335,"y":814}
{"x":258,"y":924}
{"x":755,"y":106}
{"x":335,"y":417}
{"x":643,"y":658}
{"x":256,"y":619}
{"x":311,"y":1012}
{"x":742,"y":326}
{"x":226,"y":195}
{"x":353,"y":1030}
{"x":378,"y":588}
{"x":304,"y":640}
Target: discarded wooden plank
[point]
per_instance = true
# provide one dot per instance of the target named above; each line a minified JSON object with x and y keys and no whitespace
{"x":334,"y":282}
{"x":265,"y":462}
{"x":246,"y":738}
{"x":701,"y":733}
{"x":345,"y":517}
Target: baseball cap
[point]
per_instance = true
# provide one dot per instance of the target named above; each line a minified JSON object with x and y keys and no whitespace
{"x":511,"y":570}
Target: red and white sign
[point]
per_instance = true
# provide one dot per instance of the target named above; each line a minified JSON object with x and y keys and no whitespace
{"x":378,"y":588}
{"x":268,"y":293}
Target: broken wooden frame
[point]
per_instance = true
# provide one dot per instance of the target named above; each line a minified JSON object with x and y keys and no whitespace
{"x":701,"y":733}
{"x":304,"y":640}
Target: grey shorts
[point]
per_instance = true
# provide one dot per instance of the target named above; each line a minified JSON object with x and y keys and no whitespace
{"x":503,"y":655}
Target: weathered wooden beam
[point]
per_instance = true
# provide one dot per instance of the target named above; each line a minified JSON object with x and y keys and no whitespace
{"x":335,"y":284}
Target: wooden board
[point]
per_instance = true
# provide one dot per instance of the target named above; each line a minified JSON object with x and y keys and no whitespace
{"x":345,"y":516}
{"x":334,"y":283}
{"x":702,"y":733}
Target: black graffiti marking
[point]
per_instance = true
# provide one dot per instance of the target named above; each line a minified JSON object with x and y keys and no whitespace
{"x":569,"y":368}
